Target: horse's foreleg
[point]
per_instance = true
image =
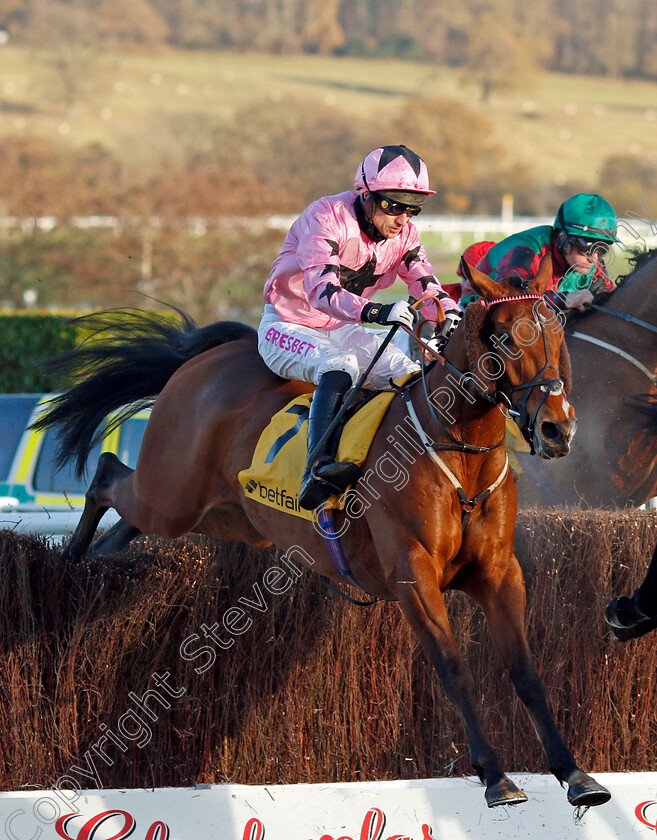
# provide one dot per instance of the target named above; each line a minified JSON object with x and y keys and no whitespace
{"x":424,"y":608}
{"x":108,"y":471}
{"x":504,"y":606}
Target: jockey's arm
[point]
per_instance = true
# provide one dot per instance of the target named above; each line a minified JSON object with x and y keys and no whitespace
{"x":319,"y":257}
{"x":417,"y":272}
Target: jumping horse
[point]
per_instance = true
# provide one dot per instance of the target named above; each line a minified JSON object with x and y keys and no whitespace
{"x":214,"y":398}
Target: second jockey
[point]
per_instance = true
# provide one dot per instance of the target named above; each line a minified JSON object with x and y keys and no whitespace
{"x":337,"y":255}
{"x":583,"y":231}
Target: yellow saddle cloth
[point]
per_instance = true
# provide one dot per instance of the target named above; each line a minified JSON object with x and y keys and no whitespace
{"x":274,"y":477}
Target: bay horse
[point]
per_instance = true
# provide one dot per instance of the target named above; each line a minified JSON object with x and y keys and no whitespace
{"x":613,"y":459}
{"x":409,"y":546}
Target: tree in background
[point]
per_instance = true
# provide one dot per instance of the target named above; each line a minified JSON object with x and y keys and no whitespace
{"x":457,"y":144}
{"x":625,"y":180}
{"x":497,"y":53}
{"x":83,"y":22}
{"x":40,"y":178}
{"x":295,"y":154}
{"x":497,"y":39}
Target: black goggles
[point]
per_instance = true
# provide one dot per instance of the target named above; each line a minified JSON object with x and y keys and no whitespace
{"x":395,"y":208}
{"x":592,"y":247}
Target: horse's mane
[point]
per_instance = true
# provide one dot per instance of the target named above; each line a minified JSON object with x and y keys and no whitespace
{"x":638,"y":260}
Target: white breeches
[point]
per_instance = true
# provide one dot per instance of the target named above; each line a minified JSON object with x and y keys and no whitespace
{"x":297,"y":352}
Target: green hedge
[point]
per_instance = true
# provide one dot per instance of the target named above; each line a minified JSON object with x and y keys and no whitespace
{"x":26,"y":342}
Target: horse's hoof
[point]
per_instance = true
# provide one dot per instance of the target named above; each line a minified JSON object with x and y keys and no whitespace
{"x":622,"y":612}
{"x":626,"y":634}
{"x":583,"y":791}
{"x":504,"y":792}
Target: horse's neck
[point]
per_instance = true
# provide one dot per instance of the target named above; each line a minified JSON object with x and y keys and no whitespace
{"x":466,"y":414}
{"x":635,"y":297}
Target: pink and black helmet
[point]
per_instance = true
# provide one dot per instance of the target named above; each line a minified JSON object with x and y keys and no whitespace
{"x":395,"y":169}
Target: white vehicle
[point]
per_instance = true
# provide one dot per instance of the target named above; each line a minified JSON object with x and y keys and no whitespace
{"x":35,"y":496}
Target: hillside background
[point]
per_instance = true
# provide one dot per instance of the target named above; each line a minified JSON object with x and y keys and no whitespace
{"x":189,"y":123}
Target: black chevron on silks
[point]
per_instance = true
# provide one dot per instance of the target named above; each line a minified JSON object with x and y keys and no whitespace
{"x":329,"y":290}
{"x":355,"y":280}
{"x":328,"y":268}
{"x":392,"y":152}
{"x":335,"y":248}
{"x":428,"y":278}
{"x":411,"y":256}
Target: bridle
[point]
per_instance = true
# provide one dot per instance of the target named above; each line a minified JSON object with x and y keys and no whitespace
{"x":548,"y":386}
{"x":516,"y":410}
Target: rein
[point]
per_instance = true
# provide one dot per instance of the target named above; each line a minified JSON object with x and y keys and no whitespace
{"x":615,"y":313}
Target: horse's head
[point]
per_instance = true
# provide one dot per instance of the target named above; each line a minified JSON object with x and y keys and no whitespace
{"x":516,"y":351}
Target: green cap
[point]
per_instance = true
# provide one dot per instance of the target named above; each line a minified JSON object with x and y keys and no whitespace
{"x":589,"y":216}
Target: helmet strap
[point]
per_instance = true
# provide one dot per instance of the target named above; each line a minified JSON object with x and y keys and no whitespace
{"x":562,"y":242}
{"x":364,"y":221}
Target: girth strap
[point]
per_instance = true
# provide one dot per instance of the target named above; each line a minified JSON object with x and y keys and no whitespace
{"x":467,"y":505}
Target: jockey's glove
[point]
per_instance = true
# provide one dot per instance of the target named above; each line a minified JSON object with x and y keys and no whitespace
{"x":389,"y":313}
{"x":577,"y":300}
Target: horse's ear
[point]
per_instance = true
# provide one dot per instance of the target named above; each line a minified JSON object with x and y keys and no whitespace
{"x":484,"y":285}
{"x":543,"y":276}
{"x":466,"y":269}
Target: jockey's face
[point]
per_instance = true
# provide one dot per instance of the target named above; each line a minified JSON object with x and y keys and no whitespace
{"x":585,"y":253}
{"x":388,"y":226}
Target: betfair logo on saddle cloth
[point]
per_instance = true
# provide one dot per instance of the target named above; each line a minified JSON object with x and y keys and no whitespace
{"x":274,"y":477}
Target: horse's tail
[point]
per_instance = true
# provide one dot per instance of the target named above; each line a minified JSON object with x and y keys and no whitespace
{"x":121,"y":368}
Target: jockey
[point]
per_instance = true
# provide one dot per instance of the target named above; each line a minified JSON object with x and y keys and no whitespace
{"x":583,"y":231}
{"x":337,"y":255}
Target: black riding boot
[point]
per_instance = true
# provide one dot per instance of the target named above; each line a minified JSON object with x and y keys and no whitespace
{"x":324,"y":477}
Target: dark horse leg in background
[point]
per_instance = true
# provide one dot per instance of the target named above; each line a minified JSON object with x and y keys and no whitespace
{"x":630,"y":618}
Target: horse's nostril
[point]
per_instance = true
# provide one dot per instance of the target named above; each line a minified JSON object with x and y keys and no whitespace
{"x":550,"y":431}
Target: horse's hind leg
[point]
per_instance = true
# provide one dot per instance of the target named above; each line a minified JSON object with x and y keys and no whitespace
{"x":423,"y":605}
{"x":504,"y":607}
{"x":115,"y":539}
{"x":109,"y":470}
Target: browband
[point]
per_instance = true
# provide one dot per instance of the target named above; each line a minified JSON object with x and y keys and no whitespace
{"x":488,"y":303}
